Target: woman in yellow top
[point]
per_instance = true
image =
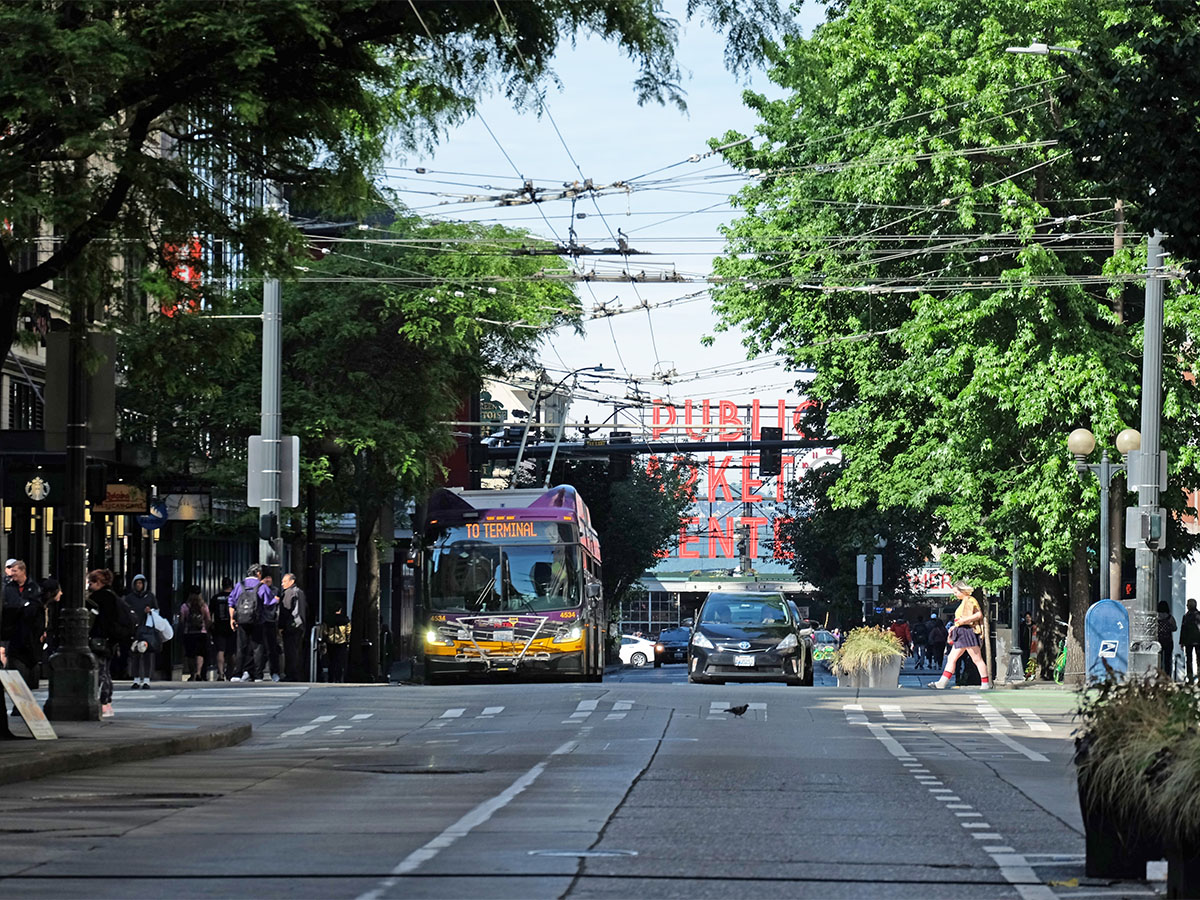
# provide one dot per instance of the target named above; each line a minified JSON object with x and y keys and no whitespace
{"x":968,"y":625}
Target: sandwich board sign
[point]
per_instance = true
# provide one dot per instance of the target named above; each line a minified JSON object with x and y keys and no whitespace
{"x":18,"y":690}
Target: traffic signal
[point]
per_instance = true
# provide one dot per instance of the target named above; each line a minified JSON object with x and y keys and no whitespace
{"x":96,"y":488}
{"x":770,"y":459}
{"x":620,"y":464}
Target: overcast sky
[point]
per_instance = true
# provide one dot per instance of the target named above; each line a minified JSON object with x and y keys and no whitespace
{"x":607,"y":137}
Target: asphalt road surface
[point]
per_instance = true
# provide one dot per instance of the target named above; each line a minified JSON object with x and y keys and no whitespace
{"x":643,"y":786}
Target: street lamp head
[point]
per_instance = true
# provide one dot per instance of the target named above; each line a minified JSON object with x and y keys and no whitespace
{"x":1038,"y":48}
{"x":1081,"y":442}
{"x":1129,"y":440}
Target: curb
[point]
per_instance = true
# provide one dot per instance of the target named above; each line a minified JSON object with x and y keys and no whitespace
{"x":40,"y":763}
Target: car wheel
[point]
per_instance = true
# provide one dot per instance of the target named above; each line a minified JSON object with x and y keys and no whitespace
{"x":808,"y":680}
{"x":638,"y":659}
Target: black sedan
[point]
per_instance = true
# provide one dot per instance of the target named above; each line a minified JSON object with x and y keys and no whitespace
{"x":672,"y":646}
{"x":749,"y":637}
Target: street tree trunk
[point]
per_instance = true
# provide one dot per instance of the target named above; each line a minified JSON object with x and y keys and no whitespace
{"x":364,"y":623}
{"x":1081,"y":596}
{"x":1049,"y":606}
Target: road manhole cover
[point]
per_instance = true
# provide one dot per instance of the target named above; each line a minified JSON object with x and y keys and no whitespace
{"x":584,"y":854}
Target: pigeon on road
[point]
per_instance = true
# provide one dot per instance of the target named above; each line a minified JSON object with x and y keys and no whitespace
{"x":738,"y":710}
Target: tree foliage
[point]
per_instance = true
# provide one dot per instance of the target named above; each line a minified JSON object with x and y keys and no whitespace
{"x":825,"y":541}
{"x":912,"y":233}
{"x":1131,"y":111}
{"x":149,"y":122}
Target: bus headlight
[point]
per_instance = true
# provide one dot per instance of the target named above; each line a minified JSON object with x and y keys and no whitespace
{"x":569,"y":635}
{"x":432,"y":636}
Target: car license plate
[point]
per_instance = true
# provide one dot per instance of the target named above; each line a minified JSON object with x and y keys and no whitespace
{"x":744,"y":661}
{"x":502,"y":635}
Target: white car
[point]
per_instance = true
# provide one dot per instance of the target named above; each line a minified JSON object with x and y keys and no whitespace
{"x":636,"y":651}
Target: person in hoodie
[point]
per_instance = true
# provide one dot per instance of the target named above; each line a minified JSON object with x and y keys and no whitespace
{"x":248,"y":600}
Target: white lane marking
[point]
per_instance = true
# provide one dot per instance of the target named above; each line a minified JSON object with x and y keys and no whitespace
{"x":890,"y":743}
{"x":990,"y":836}
{"x":891,"y":711}
{"x":320,"y":719}
{"x":358,"y":717}
{"x":940,"y":791}
{"x":990,"y":714}
{"x":969,"y":815}
{"x":1019,"y":747}
{"x":620,"y":705}
{"x":958,"y":806}
{"x":1032,"y":719}
{"x":587,"y":705}
{"x":855,"y":707}
{"x":296,"y":732}
{"x":452,"y":713}
{"x":612,"y":716}
{"x":460,"y":829}
{"x":1017,"y":871}
{"x":490,"y":712}
{"x":974,"y":824}
{"x":949,"y":799}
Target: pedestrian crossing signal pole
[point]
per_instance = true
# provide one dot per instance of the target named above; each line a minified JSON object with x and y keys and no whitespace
{"x":269,"y":545}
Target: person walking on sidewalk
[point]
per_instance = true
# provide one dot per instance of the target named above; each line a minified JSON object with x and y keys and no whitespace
{"x":968,"y":626}
{"x":147,"y":644}
{"x":271,"y":628}
{"x":246,"y":603}
{"x":106,"y":631}
{"x":221,"y":630}
{"x":1166,"y":637}
{"x":335,"y":636}
{"x":295,"y":607}
{"x":196,"y":621}
{"x":1189,"y":639}
{"x":936,"y":637}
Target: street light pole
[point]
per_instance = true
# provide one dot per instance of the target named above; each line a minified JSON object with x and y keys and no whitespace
{"x":1081,"y":443}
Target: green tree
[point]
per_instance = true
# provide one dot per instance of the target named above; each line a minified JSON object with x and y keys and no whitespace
{"x":913,"y":234}
{"x":1130,"y":104}
{"x":825,"y":541}
{"x":141,"y":122}
{"x":372,"y":372}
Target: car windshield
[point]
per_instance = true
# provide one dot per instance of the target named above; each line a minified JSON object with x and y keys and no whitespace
{"x":824,"y":637}
{"x":722,"y":611}
{"x":481,"y":576}
{"x":675,"y":634}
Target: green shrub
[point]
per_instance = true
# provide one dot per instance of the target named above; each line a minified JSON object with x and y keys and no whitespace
{"x":864,"y":648}
{"x":1138,"y":754}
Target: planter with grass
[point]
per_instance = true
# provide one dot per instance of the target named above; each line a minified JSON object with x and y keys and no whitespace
{"x":869,"y":657}
{"x":1137,"y":762}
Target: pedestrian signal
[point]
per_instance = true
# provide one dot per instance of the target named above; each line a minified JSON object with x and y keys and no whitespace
{"x":770,"y":459}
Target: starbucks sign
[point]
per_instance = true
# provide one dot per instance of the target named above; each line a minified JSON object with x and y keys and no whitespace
{"x":490,"y":411}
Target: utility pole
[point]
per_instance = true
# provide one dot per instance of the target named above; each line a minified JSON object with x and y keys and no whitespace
{"x":1143,"y":616}
{"x":270,"y":546}
{"x":74,"y":688}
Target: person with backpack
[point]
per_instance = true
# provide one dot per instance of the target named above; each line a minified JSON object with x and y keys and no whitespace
{"x":246,"y":603}
{"x":109,"y":628}
{"x":271,"y":629}
{"x":221,"y":631}
{"x":197,"y":621}
{"x":936,"y":640}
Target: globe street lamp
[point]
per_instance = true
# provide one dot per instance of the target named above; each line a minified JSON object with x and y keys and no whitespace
{"x":1081,"y":443}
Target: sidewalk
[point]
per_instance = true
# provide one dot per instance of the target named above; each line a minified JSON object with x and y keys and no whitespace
{"x":84,"y":745}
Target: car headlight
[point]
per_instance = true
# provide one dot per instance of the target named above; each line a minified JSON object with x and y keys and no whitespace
{"x":699,"y":640}
{"x":659,"y":648}
{"x":432,"y":636}
{"x":567,"y":636}
{"x":788,"y":644}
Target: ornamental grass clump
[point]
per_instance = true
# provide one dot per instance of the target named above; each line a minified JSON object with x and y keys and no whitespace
{"x":865,"y":648}
{"x":1138,"y":756}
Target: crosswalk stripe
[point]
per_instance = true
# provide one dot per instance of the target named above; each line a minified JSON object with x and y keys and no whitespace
{"x":1032,"y":719}
{"x":121,"y":707}
{"x":490,"y":711}
{"x":320,"y":719}
{"x":358,"y":717}
{"x":453,"y":713}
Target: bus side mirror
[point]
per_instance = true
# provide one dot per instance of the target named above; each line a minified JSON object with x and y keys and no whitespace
{"x":594,"y":590}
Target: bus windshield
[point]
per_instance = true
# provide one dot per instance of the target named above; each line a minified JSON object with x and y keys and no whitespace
{"x":474,"y":575}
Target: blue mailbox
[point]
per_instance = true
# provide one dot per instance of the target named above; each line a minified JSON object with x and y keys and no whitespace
{"x":1106,"y":640}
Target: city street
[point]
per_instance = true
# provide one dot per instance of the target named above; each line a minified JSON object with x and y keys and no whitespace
{"x":643,"y":785}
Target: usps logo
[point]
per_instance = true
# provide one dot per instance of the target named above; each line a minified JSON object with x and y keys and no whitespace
{"x":1108,"y":649}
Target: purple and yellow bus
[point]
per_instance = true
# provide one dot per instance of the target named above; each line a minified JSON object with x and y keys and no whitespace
{"x":511,"y":585}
